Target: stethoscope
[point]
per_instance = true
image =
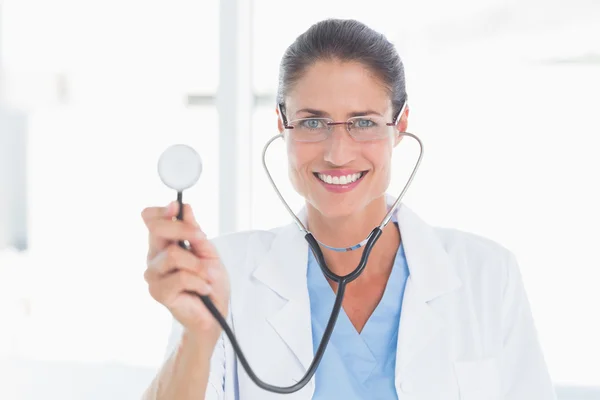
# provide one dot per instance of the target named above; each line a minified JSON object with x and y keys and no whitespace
{"x":180,"y":167}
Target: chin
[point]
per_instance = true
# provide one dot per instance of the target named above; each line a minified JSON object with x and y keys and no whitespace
{"x":335,"y":210}
{"x":337,"y":205}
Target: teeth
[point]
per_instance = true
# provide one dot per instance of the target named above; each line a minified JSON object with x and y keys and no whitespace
{"x":340,"y":180}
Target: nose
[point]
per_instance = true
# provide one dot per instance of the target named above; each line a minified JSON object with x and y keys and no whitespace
{"x":341,"y":147}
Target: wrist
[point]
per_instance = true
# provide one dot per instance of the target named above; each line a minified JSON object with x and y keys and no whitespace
{"x":200,"y":342}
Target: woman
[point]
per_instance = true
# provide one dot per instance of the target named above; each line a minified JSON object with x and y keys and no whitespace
{"x":436,"y":314}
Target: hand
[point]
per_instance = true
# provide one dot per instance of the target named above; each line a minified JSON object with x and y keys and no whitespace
{"x":173,"y":271}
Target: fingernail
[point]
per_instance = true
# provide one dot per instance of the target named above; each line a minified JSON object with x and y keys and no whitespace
{"x":207,"y":288}
{"x":169,"y":208}
{"x":200,"y":235}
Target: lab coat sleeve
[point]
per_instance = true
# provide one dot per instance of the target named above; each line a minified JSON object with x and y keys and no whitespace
{"x":524,"y":372}
{"x":216,"y":378}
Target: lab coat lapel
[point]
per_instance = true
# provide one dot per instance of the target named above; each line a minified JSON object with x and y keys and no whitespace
{"x":283,"y":270}
{"x":432,"y":275}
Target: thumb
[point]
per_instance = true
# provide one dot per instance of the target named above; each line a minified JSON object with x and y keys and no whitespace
{"x":188,"y":216}
{"x":201,"y":246}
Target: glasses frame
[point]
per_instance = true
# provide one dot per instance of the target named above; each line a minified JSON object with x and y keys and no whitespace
{"x":333,"y":123}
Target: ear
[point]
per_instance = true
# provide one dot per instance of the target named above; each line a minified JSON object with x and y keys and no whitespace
{"x":402,"y":125}
{"x":279,"y":120}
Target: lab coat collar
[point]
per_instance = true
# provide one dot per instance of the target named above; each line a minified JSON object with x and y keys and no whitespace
{"x":432,"y":275}
{"x":284,"y":267}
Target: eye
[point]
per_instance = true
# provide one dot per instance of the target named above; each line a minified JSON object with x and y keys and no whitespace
{"x":312,"y":123}
{"x":363,"y":123}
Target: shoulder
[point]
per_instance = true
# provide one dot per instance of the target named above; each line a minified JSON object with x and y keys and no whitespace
{"x":452,"y":250}
{"x":479,"y":261}
{"x":477,"y":247}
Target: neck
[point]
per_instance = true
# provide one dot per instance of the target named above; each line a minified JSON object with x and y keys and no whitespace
{"x":350,"y":230}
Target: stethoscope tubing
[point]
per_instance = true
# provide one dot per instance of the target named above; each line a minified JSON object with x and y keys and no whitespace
{"x":342,"y":281}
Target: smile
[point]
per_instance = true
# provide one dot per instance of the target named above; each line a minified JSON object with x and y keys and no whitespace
{"x":340,"y":180}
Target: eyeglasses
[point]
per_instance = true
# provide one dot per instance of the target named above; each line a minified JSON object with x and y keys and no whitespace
{"x":360,"y":128}
{"x":317,"y":129}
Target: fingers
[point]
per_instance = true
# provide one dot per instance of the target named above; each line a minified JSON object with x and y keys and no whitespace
{"x":204,"y":248}
{"x":165,"y":229}
{"x":162,"y":233}
{"x":174,"y":258}
{"x":168,"y":288}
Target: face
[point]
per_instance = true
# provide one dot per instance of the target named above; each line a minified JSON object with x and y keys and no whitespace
{"x":340,"y":90}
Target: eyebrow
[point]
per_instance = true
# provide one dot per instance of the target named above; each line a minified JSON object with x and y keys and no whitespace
{"x":320,"y":113}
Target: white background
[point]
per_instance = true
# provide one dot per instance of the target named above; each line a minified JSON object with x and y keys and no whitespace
{"x":505,"y":96}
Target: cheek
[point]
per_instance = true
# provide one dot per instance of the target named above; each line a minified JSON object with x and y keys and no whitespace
{"x":295,"y":156}
{"x":299,"y":157}
{"x":380,"y":156}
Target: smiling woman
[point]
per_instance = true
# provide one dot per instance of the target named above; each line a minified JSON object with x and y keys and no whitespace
{"x":369,"y":100}
{"x":436,"y":313}
{"x":358,"y":149}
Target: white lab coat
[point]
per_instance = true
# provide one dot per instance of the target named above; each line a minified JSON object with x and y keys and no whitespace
{"x":466,"y":327}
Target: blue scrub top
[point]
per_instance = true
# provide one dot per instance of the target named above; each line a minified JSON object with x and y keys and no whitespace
{"x":357,"y":366}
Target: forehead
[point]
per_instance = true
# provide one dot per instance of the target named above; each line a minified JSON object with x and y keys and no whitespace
{"x":338,"y":88}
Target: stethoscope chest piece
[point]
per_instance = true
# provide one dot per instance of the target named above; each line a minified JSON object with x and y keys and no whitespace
{"x":180,"y":167}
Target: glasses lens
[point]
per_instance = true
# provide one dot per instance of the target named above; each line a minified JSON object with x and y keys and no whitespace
{"x":309,"y":129}
{"x":369,"y":128}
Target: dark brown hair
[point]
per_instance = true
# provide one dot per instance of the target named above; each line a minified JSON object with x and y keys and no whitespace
{"x":343,"y":40}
